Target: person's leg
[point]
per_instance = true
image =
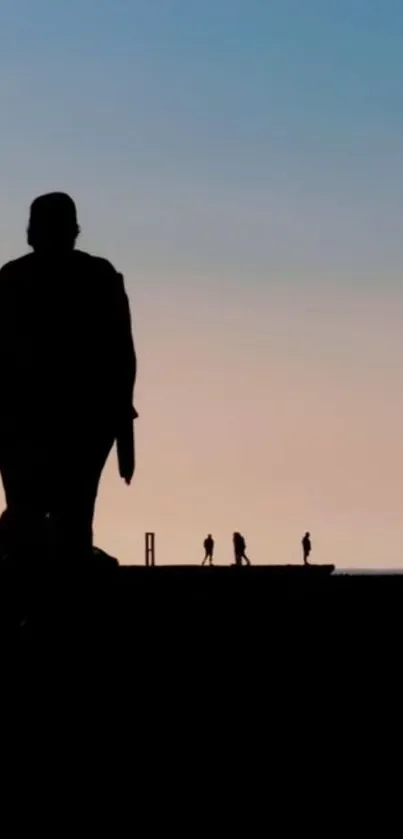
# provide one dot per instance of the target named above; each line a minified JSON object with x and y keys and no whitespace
{"x":24,"y":483}
{"x":76,"y":487}
{"x":246,"y":559}
{"x":205,"y":559}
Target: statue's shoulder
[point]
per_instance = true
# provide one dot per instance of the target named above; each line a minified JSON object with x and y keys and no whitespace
{"x":15,"y":271}
{"x":95,"y":264}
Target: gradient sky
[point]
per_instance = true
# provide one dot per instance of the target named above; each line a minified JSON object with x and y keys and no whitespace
{"x":241,"y":161}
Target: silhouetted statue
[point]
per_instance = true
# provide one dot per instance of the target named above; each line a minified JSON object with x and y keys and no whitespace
{"x":67,"y":374}
{"x":239,"y":549}
{"x":208,"y":545}
{"x":306,"y":547}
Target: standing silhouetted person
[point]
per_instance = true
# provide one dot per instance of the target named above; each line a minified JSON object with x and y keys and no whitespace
{"x":208,"y":545}
{"x":306,"y":547}
{"x":239,"y":549}
{"x":67,"y":374}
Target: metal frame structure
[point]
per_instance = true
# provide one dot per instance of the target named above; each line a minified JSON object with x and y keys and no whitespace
{"x":150,"y":549}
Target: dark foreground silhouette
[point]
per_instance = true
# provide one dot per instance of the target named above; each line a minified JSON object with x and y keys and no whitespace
{"x":139,"y":655}
{"x":67,"y":374}
{"x":148,"y":610}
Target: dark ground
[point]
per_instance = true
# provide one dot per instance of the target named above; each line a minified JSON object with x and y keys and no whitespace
{"x":179,"y":608}
{"x":235,"y":676}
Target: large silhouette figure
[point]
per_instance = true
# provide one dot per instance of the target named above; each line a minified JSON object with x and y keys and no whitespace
{"x":67,"y":374}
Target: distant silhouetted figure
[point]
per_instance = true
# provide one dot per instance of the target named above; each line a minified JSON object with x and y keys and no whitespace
{"x":239,"y":549}
{"x":208,"y":545}
{"x":67,"y":374}
{"x":306,"y":547}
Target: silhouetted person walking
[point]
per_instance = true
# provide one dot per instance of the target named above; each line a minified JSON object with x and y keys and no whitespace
{"x":239,"y":549}
{"x":208,"y":545}
{"x":67,"y":374}
{"x":306,"y":547}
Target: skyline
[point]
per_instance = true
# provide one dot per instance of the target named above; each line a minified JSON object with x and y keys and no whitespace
{"x":241,"y":164}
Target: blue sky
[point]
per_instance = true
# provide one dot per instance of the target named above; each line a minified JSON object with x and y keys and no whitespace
{"x":241,"y":161}
{"x":214,"y":108}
